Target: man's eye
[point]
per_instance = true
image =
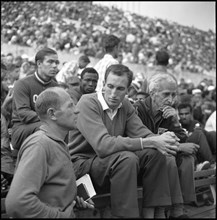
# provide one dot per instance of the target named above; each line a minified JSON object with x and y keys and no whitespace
{"x":110,"y":86}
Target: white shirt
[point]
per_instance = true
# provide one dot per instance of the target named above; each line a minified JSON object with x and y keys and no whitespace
{"x":101,"y":67}
{"x":69,"y":69}
{"x":211,"y":122}
{"x":111,"y":113}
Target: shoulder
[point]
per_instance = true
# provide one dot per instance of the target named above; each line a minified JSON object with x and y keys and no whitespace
{"x":25,"y":81}
{"x":127,"y":105}
{"x":88,"y":98}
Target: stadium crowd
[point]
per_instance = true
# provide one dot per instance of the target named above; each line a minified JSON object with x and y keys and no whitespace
{"x":78,"y":27}
{"x":181,"y":113}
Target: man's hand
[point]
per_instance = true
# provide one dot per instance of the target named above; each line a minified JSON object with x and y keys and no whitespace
{"x":81,"y":204}
{"x":189,"y":148}
{"x":8,"y":98}
{"x":167,"y":143}
{"x":169,"y":111}
{"x":4,"y":183}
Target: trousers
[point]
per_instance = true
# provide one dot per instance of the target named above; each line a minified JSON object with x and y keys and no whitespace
{"x":121,"y":173}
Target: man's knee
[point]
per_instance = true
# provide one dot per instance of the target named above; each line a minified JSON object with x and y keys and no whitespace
{"x":128,"y":158}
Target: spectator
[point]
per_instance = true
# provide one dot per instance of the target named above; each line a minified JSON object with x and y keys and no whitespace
{"x":24,"y":69}
{"x":7,"y":161}
{"x":121,"y":145}
{"x":88,"y":83}
{"x":111,"y":46}
{"x":51,"y":192}
{"x":157,"y":113}
{"x":141,"y":95}
{"x":196,"y":134}
{"x":197,"y":102}
{"x":161,"y":66}
{"x":162,"y":61}
{"x":86,"y":26}
{"x":26,"y":90}
{"x":72,"y":69}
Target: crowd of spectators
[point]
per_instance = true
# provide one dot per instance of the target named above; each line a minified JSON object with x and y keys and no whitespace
{"x":78,"y":27}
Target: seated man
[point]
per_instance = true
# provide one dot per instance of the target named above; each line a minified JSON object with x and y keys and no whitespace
{"x":24,"y":118}
{"x":44,"y":184}
{"x":88,"y":83}
{"x":196,"y":134}
{"x":111,"y":144}
{"x":157,"y":113}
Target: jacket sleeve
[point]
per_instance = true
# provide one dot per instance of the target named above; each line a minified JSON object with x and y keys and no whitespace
{"x":176,"y":127}
{"x":21,"y":101}
{"x":134,"y":125}
{"x":22,"y":199}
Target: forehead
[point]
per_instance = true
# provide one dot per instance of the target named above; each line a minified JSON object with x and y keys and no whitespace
{"x":117,"y":80}
{"x":168,"y":86}
{"x":185,"y":110}
{"x":90,"y":75}
{"x":51,"y":57}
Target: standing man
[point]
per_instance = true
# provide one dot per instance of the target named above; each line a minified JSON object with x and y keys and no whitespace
{"x":44,"y":184}
{"x":26,"y":91}
{"x":111,"y":45}
{"x":111,"y":144}
{"x":88,"y":83}
{"x":157,"y":113}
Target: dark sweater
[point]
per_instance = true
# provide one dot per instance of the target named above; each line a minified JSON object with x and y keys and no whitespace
{"x":144,"y":109}
{"x":26,"y":91}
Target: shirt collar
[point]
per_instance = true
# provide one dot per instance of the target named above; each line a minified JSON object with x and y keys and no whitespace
{"x":40,"y":79}
{"x":108,"y":56}
{"x":45,"y":128}
{"x":103,"y":102}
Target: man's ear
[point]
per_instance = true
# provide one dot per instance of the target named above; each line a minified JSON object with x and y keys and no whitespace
{"x":38,"y":63}
{"x":51,"y":113}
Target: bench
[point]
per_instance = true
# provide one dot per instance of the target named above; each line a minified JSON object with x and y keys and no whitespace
{"x":204,"y":178}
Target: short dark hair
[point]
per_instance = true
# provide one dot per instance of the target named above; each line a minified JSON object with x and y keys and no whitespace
{"x":120,"y":70}
{"x":47,"y":99}
{"x":84,"y":58}
{"x":185,"y":105}
{"x":162,"y":57}
{"x":88,"y":70}
{"x":143,"y":93}
{"x":40,"y":55}
{"x":109,"y":42}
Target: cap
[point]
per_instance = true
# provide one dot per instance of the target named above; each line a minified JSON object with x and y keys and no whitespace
{"x":196,"y":91}
{"x":210,"y":88}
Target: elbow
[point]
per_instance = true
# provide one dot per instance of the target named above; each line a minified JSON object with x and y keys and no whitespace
{"x":11,"y":206}
{"x":101,"y":153}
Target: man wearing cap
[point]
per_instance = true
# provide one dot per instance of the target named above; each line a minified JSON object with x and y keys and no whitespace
{"x":24,"y":118}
